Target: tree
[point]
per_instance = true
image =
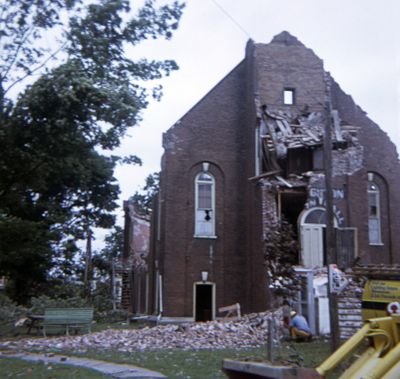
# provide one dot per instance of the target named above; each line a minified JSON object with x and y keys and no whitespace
{"x":104,"y":263}
{"x":144,"y":199}
{"x":56,"y":181}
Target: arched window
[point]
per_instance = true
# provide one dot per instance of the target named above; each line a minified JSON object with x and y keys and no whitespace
{"x":374,"y":214}
{"x":204,"y":205}
{"x":315,"y":216}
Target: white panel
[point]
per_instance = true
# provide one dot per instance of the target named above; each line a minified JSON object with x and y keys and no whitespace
{"x":323,"y":316}
{"x":312,"y":245}
{"x":203,"y":227}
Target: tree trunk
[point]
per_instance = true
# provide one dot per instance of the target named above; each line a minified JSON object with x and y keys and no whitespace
{"x":88,"y":264}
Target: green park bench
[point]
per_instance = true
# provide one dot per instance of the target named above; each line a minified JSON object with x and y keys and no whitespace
{"x":67,"y":319}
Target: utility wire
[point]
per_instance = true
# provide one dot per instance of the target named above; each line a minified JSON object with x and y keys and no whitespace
{"x":225,"y":12}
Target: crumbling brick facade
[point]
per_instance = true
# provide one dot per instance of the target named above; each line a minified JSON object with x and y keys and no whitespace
{"x":131,"y":271}
{"x":254,"y":156}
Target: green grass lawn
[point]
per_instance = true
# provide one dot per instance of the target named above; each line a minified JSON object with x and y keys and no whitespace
{"x":175,"y":364}
{"x":206,"y":364}
{"x":16,"y":368}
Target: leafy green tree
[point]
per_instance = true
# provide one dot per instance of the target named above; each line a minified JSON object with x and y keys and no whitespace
{"x":56,"y":181}
{"x":112,"y":250}
{"x":144,"y":198}
{"x":104,"y":264}
{"x":114,"y":244}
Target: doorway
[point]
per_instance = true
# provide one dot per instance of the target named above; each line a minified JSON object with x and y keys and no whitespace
{"x":204,"y":301}
{"x":312,"y":245}
{"x":312,"y":229}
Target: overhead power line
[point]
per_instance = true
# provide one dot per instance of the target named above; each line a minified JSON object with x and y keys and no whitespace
{"x":226,"y":13}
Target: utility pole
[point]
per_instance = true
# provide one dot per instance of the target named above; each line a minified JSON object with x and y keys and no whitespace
{"x":330,"y":240}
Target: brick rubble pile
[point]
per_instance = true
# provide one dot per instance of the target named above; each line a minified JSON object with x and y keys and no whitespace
{"x":250,"y":331}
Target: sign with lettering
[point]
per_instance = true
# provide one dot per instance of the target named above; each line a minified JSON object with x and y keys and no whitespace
{"x":377,"y":296}
{"x":317,"y":198}
{"x":319,"y":194}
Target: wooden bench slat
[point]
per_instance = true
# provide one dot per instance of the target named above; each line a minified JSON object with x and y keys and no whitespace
{"x":67,"y":318}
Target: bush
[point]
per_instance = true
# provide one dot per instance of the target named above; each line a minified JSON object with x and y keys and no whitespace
{"x":101,"y":298}
{"x":9,"y":312}
{"x":62,"y":289}
{"x":112,"y":316}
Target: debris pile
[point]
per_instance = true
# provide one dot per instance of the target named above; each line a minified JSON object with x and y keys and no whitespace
{"x":286,"y":137}
{"x":250,"y":331}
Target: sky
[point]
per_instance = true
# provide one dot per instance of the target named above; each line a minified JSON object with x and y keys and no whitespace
{"x":358,"y":40}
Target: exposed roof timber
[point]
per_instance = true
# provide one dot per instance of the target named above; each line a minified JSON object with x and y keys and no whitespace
{"x":264,"y":175}
{"x":313,"y":136}
{"x":336,"y":125}
{"x":281,"y":132}
{"x":283,"y":181}
{"x":304,"y":129}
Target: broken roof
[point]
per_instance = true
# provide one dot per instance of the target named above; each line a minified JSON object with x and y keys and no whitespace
{"x":281,"y":131}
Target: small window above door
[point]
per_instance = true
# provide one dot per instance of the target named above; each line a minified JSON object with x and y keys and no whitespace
{"x":316,"y":216}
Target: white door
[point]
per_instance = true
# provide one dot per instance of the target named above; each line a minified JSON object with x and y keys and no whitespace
{"x":312,"y":245}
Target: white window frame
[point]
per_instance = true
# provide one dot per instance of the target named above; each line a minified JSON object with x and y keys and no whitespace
{"x":198,"y":213}
{"x":377,"y":218}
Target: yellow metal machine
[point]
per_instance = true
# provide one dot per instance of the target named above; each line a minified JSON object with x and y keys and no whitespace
{"x":374,"y":351}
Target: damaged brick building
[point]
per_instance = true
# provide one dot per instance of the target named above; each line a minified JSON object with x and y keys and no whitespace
{"x":131,"y":271}
{"x":251,"y":153}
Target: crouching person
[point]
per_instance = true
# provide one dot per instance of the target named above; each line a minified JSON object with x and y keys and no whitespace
{"x":299,"y":328}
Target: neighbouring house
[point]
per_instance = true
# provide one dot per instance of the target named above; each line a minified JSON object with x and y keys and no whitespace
{"x":250,"y":153}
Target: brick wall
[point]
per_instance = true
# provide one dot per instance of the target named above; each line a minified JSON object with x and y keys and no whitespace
{"x":208,"y":133}
{"x":381,"y":158}
{"x":349,"y":308}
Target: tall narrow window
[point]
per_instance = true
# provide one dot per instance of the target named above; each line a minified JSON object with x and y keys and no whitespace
{"x":374,"y":214}
{"x":205,"y":205}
